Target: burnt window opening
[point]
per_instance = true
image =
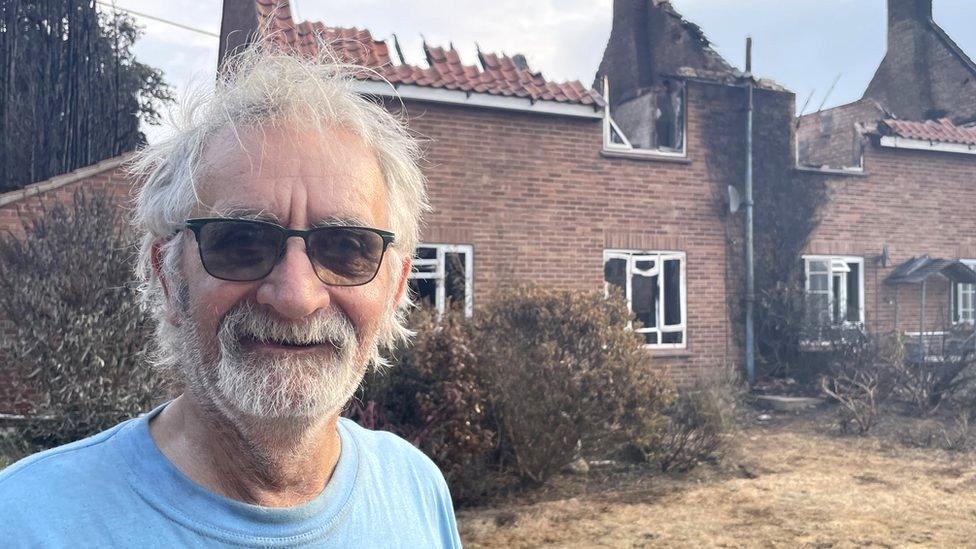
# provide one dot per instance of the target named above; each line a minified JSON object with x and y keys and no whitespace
{"x":442,"y":277}
{"x":653,"y":284}
{"x":650,"y":120}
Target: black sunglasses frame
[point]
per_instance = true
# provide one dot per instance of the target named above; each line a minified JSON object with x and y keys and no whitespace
{"x":197,"y":224}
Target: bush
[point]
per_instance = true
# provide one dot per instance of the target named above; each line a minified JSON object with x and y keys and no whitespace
{"x":700,"y":423}
{"x":859,"y":375}
{"x":927,"y":385}
{"x":565,"y":375}
{"x":431,"y":396}
{"x":79,"y":351}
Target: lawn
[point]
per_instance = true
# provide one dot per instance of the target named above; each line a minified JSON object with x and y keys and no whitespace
{"x":791,"y":482}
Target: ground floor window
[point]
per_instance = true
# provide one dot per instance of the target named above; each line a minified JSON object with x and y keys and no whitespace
{"x":835,"y":289}
{"x":654,"y":285}
{"x":442,"y":276}
{"x":962,"y":298}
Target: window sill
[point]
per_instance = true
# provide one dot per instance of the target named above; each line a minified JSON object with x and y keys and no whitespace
{"x":670,"y":353}
{"x":647,"y":155}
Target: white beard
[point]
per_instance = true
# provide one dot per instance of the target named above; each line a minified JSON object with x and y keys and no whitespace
{"x":279,"y":386}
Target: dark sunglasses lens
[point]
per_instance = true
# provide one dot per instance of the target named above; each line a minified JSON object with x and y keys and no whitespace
{"x":345,"y":256}
{"x":239,"y":250}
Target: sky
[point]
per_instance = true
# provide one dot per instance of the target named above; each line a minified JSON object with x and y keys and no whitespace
{"x":804,"y":45}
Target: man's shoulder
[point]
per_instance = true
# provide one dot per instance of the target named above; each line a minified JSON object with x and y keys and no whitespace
{"x":389,"y":451}
{"x":61,"y":470}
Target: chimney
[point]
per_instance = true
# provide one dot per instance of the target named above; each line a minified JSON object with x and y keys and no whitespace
{"x":238,"y":27}
{"x":906,"y":12}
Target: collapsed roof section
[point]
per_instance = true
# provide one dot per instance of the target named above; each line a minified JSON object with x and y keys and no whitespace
{"x":924,"y":91}
{"x":498,"y":75}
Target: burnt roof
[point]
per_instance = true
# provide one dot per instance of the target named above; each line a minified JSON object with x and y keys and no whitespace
{"x":496,"y":74}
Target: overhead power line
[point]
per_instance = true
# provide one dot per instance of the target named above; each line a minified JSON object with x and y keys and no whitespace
{"x":160,"y":19}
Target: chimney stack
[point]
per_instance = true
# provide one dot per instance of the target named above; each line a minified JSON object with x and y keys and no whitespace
{"x":905,"y":13}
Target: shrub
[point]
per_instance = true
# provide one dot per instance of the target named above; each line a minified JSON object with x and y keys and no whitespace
{"x":565,"y":375}
{"x":927,"y":384}
{"x":700,"y":422}
{"x":859,"y":374}
{"x":431,"y":396}
{"x":78,"y":353}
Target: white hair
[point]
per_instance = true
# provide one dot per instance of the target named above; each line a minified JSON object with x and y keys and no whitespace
{"x":266,"y":86}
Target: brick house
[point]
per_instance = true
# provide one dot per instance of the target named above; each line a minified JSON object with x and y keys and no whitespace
{"x":900,"y":169}
{"x":534,"y":181}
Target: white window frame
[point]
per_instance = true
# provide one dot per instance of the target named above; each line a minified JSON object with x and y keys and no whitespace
{"x":633,"y":256}
{"x":837,"y":265}
{"x":626,"y":149}
{"x":439,"y":273}
{"x":958,"y":290}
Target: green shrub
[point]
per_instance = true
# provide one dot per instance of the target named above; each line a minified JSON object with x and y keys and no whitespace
{"x":565,"y":376}
{"x":78,"y":354}
{"x":431,"y":396}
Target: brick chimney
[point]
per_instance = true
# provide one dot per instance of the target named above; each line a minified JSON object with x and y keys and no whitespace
{"x":905,"y":14}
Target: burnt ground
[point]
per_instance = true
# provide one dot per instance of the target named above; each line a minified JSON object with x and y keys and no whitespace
{"x":789,"y":480}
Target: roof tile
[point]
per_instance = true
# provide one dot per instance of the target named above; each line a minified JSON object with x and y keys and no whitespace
{"x":941,"y":131}
{"x":498,"y":75}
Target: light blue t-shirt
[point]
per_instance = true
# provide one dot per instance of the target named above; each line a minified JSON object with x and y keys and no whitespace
{"x":116,"y":489}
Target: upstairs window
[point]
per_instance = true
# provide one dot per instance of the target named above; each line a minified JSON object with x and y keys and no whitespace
{"x":653,"y":283}
{"x":649,"y":122}
{"x":442,"y":276}
{"x":835,"y":289}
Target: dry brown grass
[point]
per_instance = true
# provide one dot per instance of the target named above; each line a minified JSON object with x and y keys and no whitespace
{"x":787,"y":486}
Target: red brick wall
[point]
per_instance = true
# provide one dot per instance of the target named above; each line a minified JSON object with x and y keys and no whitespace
{"x":539,"y":204}
{"x":915,"y":202}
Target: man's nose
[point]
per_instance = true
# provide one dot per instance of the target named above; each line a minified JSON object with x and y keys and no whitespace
{"x":293,"y":289}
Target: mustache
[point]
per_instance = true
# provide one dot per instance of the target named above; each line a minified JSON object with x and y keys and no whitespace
{"x":248,"y":321}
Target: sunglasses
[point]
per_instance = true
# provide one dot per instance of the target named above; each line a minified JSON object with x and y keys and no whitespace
{"x":244,"y":250}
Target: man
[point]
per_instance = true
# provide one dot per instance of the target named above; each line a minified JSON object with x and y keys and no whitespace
{"x":279,"y":221}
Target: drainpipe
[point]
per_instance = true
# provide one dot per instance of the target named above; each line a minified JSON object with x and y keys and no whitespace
{"x":750,"y":275}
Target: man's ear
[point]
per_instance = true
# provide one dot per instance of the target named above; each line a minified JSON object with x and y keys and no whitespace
{"x":403,"y":274}
{"x":156,"y":261}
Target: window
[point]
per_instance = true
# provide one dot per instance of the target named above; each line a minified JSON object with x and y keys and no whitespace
{"x":650,"y":123}
{"x":654,"y":285}
{"x":835,"y":289}
{"x":442,"y":276}
{"x":962,"y":298}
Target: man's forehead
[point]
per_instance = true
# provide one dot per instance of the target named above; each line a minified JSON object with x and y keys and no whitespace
{"x":264,"y":172}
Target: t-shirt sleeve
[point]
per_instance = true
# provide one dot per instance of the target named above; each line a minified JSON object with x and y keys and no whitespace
{"x":445,"y":509}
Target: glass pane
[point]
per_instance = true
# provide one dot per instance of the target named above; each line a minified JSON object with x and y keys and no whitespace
{"x":818,"y":308}
{"x":818,"y":266}
{"x":615,"y":272}
{"x":818,"y":282}
{"x":425,"y":290}
{"x":643,"y":265}
{"x":454,"y":279}
{"x":672,"y":337}
{"x":644,"y":299}
{"x":651,"y":338}
{"x":836,"y":301}
{"x":853,"y":293}
{"x":672,"y":292}
{"x":426,"y":252}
